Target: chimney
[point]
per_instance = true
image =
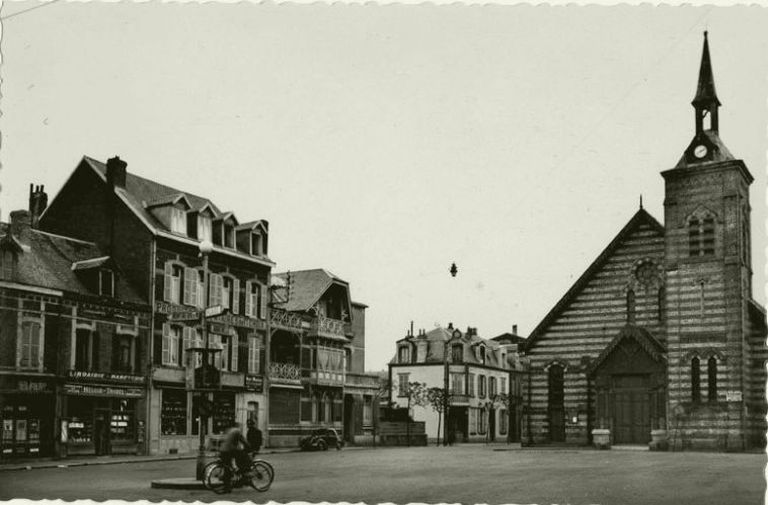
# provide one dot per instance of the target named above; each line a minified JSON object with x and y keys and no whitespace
{"x":450,"y":326}
{"x":38,"y":201}
{"x":20,"y":225}
{"x":116,"y":172}
{"x":514,"y":329}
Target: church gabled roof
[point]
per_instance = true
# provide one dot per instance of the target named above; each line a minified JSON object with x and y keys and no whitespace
{"x":640,"y":335}
{"x":640,"y":217}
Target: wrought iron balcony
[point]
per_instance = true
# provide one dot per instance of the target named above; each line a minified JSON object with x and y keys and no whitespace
{"x":286,"y":373}
{"x":326,"y":326}
{"x":284,"y":319}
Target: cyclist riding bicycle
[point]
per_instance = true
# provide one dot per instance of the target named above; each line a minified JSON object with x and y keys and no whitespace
{"x":234,"y":447}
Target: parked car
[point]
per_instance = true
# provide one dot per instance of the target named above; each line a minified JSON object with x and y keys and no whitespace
{"x":321,"y":440}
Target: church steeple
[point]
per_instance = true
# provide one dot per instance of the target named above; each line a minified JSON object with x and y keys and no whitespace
{"x":705,"y":102}
{"x":706,"y":145}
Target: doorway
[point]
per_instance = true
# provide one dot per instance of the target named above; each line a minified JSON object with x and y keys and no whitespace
{"x":632,"y":422}
{"x":101,"y":432}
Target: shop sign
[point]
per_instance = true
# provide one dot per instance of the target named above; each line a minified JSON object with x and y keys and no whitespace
{"x":89,"y":390}
{"x":733,"y":396}
{"x":81,"y":375}
{"x":33,"y":386}
{"x":254,"y":383}
{"x":175,"y":312}
{"x":240,"y":321}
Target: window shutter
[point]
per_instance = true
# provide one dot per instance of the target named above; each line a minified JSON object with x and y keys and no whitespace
{"x":187,"y":339}
{"x":214,"y":289}
{"x":248,"y":300}
{"x":187,"y":286}
{"x":166,"y":344}
{"x":263,"y":308}
{"x":236,"y":296}
{"x":235,"y":353}
{"x":200,"y":290}
{"x":167,"y":288}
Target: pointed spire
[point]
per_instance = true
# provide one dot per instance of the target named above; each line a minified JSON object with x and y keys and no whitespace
{"x":705,"y":91}
{"x":641,"y":201}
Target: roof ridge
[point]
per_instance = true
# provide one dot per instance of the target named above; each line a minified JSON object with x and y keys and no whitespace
{"x":636,"y":219}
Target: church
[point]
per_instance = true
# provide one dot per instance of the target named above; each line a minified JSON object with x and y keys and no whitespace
{"x":659,"y":342}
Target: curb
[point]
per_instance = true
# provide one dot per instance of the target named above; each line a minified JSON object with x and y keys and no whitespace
{"x":182,"y":483}
{"x":56,"y":464}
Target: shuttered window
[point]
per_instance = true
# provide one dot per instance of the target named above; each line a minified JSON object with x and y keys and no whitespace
{"x":170,"y":354}
{"x":695,"y":380}
{"x":254,"y":355}
{"x":31,"y":345}
{"x":190,"y":286}
{"x":234,"y":344}
{"x":712,"y":379}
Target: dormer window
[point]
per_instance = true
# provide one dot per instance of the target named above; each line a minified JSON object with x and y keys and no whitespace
{"x":106,"y":282}
{"x":204,"y":228}
{"x":229,"y":235}
{"x":482,"y":354}
{"x":404,"y":354}
{"x":178,"y":220}
{"x":8,"y":266}
{"x":457,"y":353}
{"x":256,"y":244}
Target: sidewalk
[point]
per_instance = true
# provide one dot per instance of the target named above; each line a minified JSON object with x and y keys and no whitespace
{"x":109,"y":460}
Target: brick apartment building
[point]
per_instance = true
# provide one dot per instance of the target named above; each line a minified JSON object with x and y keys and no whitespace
{"x":74,"y":337}
{"x":154,"y":232}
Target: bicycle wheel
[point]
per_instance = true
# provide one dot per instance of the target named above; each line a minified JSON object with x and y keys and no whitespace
{"x":216,"y":478}
{"x":261,"y":474}
{"x":206,"y":469}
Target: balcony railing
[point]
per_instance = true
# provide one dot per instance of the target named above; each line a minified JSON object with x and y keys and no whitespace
{"x":362,"y":380}
{"x":284,"y":319}
{"x":285,"y":373}
{"x":326,"y":325}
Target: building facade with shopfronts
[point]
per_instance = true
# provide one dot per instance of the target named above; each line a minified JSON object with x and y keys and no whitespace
{"x":155,"y":233}
{"x":659,"y":342}
{"x":481,"y":377}
{"x":311,"y":342}
{"x":73,"y":346}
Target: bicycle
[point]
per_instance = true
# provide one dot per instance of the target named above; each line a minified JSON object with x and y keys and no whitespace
{"x":259,"y":475}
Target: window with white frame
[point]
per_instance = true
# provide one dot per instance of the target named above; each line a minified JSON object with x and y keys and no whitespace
{"x":255,"y":300}
{"x":402,"y":384}
{"x":204,"y":228}
{"x":503,"y":385}
{"x":106,"y":282}
{"x":200,"y":289}
{"x":481,"y":386}
{"x":492,"y":386}
{"x":170,"y":350}
{"x":404,"y":354}
{"x":172,"y":283}
{"x":229,"y":235}
{"x":178,"y":220}
{"x":457,"y":383}
{"x":216,"y":289}
{"x":31,"y":344}
{"x":471,"y":385}
{"x":256,"y":244}
{"x":191,"y":278}
{"x":482,"y":421}
{"x":254,"y":355}
{"x":198,"y":342}
{"x":230,"y":294}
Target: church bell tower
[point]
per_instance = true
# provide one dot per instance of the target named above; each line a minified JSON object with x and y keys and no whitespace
{"x":708,"y":279}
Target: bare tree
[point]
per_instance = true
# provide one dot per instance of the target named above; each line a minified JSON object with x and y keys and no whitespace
{"x":416,"y":393}
{"x":437,"y":398}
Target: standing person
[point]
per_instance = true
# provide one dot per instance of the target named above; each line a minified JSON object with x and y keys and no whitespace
{"x":254,"y":436}
{"x":234,"y":446}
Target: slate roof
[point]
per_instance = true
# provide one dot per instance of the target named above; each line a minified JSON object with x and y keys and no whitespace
{"x":640,"y":217}
{"x":436,"y":346}
{"x":509,"y":338}
{"x":140,"y":192}
{"x":307,"y":286}
{"x":47,"y":262}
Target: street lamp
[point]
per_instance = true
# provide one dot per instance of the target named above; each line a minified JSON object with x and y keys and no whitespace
{"x":205,"y":248}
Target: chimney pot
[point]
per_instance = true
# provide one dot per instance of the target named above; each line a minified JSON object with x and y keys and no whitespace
{"x":450,"y":326}
{"x":116,"y":172}
{"x":38,"y":201}
{"x":514,"y":329}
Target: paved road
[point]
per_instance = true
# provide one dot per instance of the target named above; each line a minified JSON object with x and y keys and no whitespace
{"x":466,"y":474}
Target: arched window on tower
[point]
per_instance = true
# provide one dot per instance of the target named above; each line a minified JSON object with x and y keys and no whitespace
{"x":630,"y":306}
{"x":695,"y":380}
{"x":712,"y":379}
{"x":701,"y":235}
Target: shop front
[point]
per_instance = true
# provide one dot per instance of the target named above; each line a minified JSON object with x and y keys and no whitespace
{"x":103,"y":414}
{"x":27,"y":414}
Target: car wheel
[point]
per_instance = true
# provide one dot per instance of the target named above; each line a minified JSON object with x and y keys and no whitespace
{"x":322,"y":445}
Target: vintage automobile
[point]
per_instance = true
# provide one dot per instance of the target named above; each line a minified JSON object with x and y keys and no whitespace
{"x":321,"y":440}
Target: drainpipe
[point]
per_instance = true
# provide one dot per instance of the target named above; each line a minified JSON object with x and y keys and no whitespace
{"x":150,"y":345}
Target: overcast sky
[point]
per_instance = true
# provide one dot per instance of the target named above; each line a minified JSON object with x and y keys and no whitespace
{"x":384,"y":143}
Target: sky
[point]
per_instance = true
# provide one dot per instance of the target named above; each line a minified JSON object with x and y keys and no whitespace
{"x":384,"y":143}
